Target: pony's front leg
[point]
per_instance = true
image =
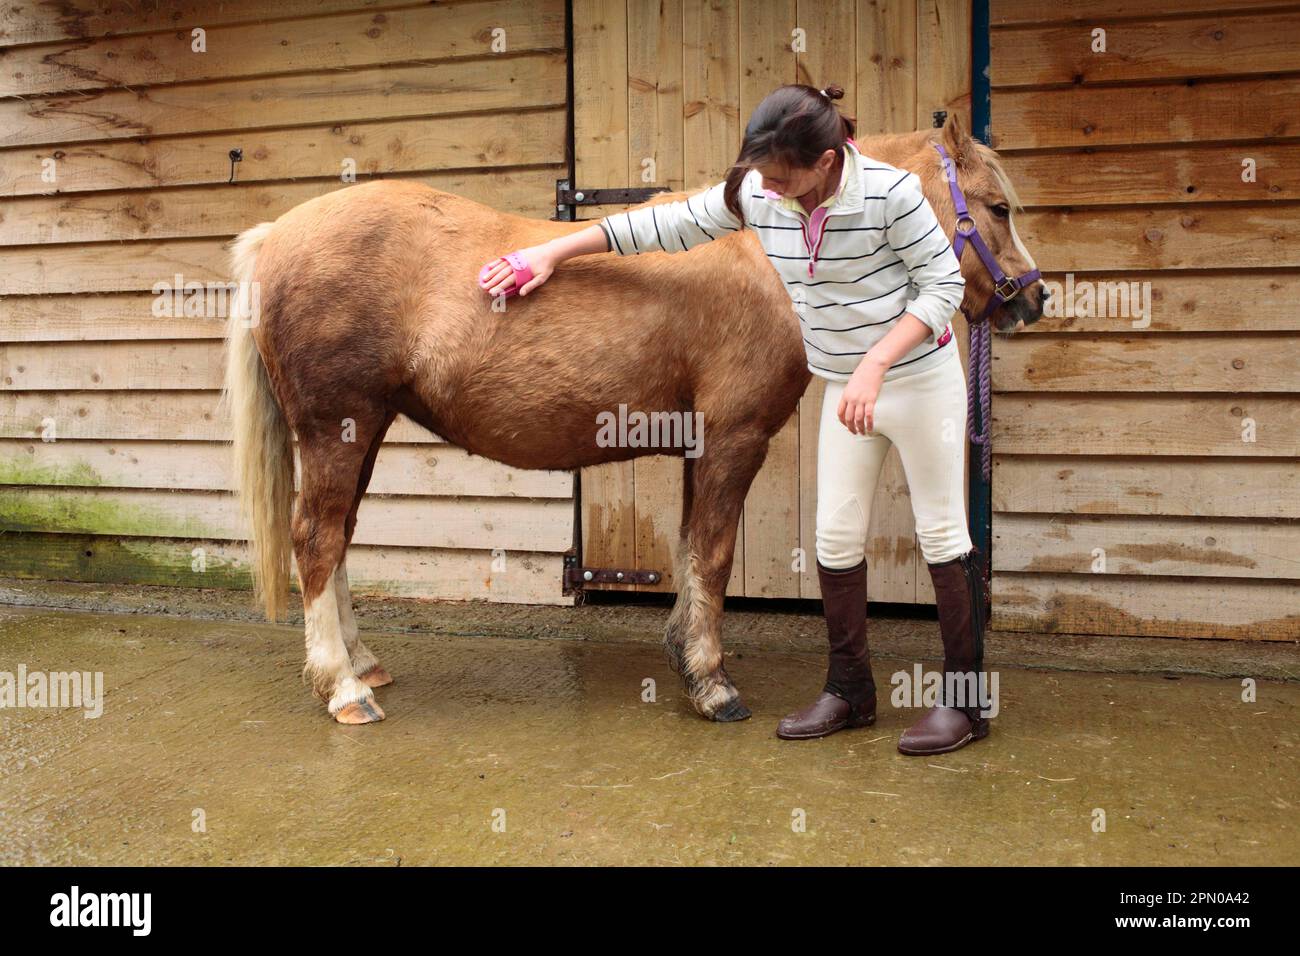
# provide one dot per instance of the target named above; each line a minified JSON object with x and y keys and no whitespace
{"x":720,"y":484}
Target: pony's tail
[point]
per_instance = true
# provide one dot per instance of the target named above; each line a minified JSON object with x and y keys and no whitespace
{"x":262,"y":443}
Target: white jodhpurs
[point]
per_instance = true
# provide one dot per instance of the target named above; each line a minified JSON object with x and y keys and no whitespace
{"x":924,"y":414}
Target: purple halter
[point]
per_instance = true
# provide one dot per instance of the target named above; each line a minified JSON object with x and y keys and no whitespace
{"x":1005,"y":288}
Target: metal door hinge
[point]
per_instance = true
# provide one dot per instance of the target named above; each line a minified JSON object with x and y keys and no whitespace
{"x":576,"y":578}
{"x":567,"y":199}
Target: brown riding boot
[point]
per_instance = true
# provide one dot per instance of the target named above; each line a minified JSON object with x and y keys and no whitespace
{"x":959,"y":593}
{"x":849,"y":696}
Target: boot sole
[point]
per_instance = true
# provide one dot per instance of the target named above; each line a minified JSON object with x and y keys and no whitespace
{"x":977,"y":733}
{"x":847,"y":725}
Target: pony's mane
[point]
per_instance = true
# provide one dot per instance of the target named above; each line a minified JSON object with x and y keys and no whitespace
{"x":994,"y":163}
{"x":902,"y":142}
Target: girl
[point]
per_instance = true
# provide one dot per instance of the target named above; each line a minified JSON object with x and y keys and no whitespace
{"x":874,"y":281}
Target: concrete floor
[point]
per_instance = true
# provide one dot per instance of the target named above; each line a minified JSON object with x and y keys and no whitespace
{"x":212,"y":715}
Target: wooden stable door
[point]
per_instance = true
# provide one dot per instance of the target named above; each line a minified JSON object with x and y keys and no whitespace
{"x":673,"y":82}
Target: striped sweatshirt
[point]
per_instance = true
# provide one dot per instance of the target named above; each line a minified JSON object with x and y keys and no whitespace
{"x":852,"y":269}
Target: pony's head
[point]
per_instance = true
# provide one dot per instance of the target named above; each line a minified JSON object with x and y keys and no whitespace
{"x":992,"y":204}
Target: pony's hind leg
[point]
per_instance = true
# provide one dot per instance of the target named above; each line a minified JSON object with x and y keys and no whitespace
{"x":720,"y":481}
{"x":364,"y":663}
{"x":675,"y":630}
{"x":330,"y":469}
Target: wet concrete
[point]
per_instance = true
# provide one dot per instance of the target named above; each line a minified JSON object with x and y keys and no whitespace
{"x":552,"y":736}
{"x":902,"y":631}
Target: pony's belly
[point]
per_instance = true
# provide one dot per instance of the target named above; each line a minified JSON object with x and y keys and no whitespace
{"x":527,"y":435}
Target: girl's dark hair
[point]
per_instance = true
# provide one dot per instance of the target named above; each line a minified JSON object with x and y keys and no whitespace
{"x":793,"y":125}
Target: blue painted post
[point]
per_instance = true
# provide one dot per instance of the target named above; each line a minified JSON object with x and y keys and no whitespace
{"x":981,"y":509}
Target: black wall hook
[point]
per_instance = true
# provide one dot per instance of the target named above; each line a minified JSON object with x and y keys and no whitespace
{"x":236,"y":156}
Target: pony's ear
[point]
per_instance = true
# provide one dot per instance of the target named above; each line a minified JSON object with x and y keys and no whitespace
{"x":956,"y":138}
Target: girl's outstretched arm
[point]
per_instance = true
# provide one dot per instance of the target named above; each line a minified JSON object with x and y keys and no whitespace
{"x":667,"y":227}
{"x":543,"y":259}
{"x":673,"y":226}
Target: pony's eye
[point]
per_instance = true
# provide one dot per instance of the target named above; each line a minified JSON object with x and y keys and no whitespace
{"x":1001,"y":210}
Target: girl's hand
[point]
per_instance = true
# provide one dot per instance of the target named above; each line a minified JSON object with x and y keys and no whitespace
{"x":500,"y":278}
{"x":858,"y":401}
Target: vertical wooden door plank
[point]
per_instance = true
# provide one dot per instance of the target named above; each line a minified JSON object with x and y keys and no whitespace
{"x":711,"y":125}
{"x":601,"y":151}
{"x":654,"y":82}
{"x":771,"y":516}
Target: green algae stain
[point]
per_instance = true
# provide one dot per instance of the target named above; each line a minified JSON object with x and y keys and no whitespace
{"x":31,"y":509}
{"x":72,"y":557}
{"x":179,"y":561}
{"x":21,"y":470}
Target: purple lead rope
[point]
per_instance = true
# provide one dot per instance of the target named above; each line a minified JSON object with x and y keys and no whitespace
{"x":979,"y":380}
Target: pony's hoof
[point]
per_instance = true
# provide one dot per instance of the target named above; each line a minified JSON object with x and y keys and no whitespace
{"x":360,"y":712}
{"x":732,"y":710}
{"x":376,"y":677}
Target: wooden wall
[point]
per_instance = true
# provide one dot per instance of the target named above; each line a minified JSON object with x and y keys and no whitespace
{"x":695,"y":70}
{"x":137,"y":126}
{"x":1145,"y":478}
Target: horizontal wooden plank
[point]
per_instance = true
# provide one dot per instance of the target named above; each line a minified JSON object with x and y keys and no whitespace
{"x":1201,"y":237}
{"x":139,"y":415}
{"x":227,"y":209}
{"x":1222,"y":44}
{"x":112,"y":267}
{"x":1142,"y":362}
{"x":1173,"y":174}
{"x":441,"y":470}
{"x":515,"y":524}
{"x":86,"y":19}
{"x":428,"y":89}
{"x":1156,"y":113}
{"x":1011,"y":12}
{"x":1113,"y":544}
{"x":517,"y":577}
{"x":1235,"y":426}
{"x":344,"y":42}
{"x":1248,"y":301}
{"x":96,"y":317}
{"x":486,"y":141}
{"x":1146,"y":607}
{"x":54,"y":366}
{"x":1221,"y":488}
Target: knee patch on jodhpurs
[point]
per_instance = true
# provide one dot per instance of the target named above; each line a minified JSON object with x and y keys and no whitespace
{"x":842,"y":538}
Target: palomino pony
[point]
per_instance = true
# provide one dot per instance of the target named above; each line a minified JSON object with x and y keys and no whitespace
{"x":369,"y":309}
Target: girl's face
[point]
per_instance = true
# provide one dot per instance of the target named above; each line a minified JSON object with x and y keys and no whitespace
{"x":794,"y":182}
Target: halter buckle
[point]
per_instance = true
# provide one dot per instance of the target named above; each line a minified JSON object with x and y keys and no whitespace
{"x":1007,"y":289}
